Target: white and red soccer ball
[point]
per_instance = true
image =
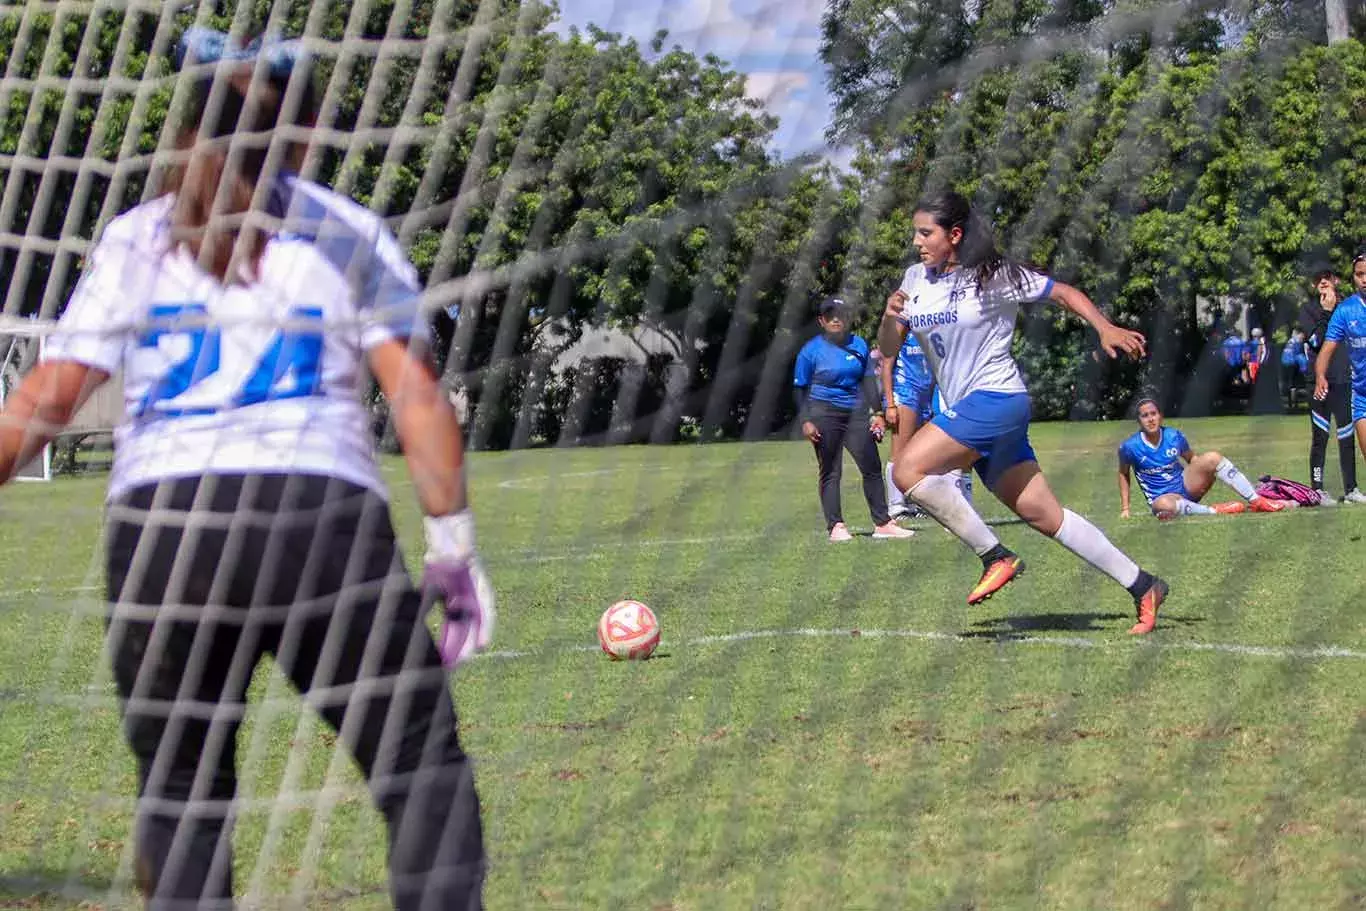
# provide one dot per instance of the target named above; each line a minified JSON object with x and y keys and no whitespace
{"x":629,"y":630}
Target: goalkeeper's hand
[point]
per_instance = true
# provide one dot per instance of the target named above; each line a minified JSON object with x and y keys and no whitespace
{"x":453,"y":573}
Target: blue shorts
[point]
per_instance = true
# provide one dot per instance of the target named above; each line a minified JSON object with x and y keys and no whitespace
{"x":1358,"y":406}
{"x":996,"y":424}
{"x":917,"y":397}
{"x":913,"y":387}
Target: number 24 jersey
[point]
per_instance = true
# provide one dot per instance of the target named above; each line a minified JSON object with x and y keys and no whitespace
{"x":262,"y":376}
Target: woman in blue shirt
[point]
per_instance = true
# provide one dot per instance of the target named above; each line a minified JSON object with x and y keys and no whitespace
{"x":836,"y":384}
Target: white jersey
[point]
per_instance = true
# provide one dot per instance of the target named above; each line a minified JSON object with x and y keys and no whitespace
{"x":257,"y":377}
{"x":966,"y":335}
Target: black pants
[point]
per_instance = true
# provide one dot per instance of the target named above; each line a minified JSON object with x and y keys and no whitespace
{"x":840,"y":429}
{"x":208,"y":575}
{"x":1336,"y":407}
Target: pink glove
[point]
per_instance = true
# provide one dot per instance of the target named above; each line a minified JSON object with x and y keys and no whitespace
{"x":452,"y":572}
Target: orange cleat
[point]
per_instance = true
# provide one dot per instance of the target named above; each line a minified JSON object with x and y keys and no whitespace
{"x":1147,"y":608}
{"x":1262,"y":504}
{"x":1230,"y":509}
{"x":996,"y":577}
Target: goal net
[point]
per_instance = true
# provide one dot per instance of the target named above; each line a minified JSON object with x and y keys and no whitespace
{"x":612,"y":252}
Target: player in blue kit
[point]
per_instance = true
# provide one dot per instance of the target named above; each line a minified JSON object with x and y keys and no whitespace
{"x":835,"y":387}
{"x":908,"y":396}
{"x":1173,"y":477}
{"x":1347,"y":328}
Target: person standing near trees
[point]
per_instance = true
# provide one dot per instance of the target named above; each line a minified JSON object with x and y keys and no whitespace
{"x":835,"y":386}
{"x":1335,"y":402}
{"x":1345,"y":334}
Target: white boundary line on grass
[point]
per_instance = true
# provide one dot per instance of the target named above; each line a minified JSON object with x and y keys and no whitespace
{"x":1320,"y":652}
{"x":98,"y":693}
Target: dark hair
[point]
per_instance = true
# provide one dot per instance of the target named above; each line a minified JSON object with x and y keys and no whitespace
{"x":1361,"y":255}
{"x":247,"y":103}
{"x":977,"y":251}
{"x":1146,"y":400}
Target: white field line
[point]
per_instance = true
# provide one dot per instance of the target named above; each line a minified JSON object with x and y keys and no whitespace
{"x":1315,"y":653}
{"x":100,"y":694}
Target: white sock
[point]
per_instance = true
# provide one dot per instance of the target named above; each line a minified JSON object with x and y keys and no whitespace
{"x":964,"y":481}
{"x":1090,"y":543}
{"x":1230,"y":475}
{"x":1186,"y":507}
{"x":938,"y":495}
{"x":895,"y":497}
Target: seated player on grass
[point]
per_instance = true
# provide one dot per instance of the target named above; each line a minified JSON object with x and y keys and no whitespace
{"x":1173,"y":477}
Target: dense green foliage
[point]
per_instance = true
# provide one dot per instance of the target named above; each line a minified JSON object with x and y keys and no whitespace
{"x":1153,"y":156}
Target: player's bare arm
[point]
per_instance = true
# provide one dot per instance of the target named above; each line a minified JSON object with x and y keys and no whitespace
{"x":892,"y":332}
{"x":426,"y":425}
{"x":1321,"y":369}
{"x":1124,"y":488}
{"x":1114,"y":340}
{"x":885,"y":371}
{"x":40,"y":408}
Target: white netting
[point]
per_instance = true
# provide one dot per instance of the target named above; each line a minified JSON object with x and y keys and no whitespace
{"x":537,"y":187}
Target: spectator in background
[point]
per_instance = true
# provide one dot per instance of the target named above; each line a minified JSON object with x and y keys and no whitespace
{"x":1254,"y":352}
{"x":1336,"y":403}
{"x":836,"y":386}
{"x":1232,"y":349}
{"x":1294,"y":365}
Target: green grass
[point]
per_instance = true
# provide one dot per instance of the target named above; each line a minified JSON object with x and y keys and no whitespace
{"x":904,"y":752}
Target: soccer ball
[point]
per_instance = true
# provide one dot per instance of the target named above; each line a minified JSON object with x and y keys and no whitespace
{"x":628,"y":629}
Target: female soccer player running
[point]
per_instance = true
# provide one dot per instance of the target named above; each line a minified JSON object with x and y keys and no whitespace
{"x":1173,"y":477}
{"x":246,"y":511}
{"x":1347,"y":326}
{"x":961,"y":300}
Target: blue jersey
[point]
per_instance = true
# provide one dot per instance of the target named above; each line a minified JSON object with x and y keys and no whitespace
{"x":834,"y":372}
{"x":912,"y":370}
{"x":1292,"y":352}
{"x":1158,"y":468}
{"x":1347,"y":327}
{"x":1233,"y":350}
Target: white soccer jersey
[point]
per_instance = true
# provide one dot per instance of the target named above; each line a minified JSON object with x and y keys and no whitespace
{"x":966,"y":335}
{"x":256,"y":377}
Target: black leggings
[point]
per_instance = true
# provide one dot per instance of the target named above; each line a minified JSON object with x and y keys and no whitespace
{"x":208,"y":575}
{"x":1336,"y":407}
{"x":836,"y":434}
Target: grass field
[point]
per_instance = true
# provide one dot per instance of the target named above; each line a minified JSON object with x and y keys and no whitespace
{"x":826,"y":726}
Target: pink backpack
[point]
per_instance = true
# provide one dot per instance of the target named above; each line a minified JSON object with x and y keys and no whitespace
{"x":1274,"y":488}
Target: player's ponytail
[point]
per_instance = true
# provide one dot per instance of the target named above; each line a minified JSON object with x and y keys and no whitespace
{"x":225,"y":144}
{"x":977,"y":250}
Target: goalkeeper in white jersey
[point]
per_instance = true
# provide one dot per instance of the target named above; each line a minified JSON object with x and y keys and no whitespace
{"x":246,"y":511}
{"x":961,"y":301}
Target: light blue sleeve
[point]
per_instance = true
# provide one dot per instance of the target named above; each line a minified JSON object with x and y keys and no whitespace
{"x":392,"y":295}
{"x":1182,"y":444}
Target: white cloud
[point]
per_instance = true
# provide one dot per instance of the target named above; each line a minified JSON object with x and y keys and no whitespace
{"x":775,"y":89}
{"x":775,"y":43}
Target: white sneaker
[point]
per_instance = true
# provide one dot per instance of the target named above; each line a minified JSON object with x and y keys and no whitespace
{"x":1355,"y":496}
{"x":892,"y":530}
{"x":1326,"y":499}
{"x":840,"y":532}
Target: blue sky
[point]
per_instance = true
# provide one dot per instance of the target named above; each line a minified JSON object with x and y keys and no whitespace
{"x":775,"y":43}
